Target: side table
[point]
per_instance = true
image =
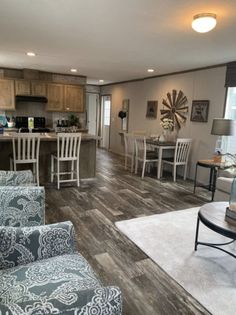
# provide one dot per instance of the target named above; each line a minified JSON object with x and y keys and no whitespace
{"x":213,"y":167}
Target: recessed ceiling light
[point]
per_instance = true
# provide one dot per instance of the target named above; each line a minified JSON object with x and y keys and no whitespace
{"x":204,"y":22}
{"x":101,"y":81}
{"x":150,"y":70}
{"x":73,"y":70}
{"x":31,"y":54}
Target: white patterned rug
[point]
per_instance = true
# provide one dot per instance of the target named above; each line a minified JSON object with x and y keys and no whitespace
{"x":209,"y":275}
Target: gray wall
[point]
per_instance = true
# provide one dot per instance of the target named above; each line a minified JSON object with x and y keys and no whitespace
{"x":197,"y":85}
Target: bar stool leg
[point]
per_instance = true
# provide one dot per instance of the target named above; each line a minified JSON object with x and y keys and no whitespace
{"x":11,"y":164}
{"x":77,"y":172}
{"x":143,"y":171}
{"x":52,"y":168}
{"x":34,"y":172}
{"x":72,"y":169}
{"x":37,"y":173}
{"x":58,"y":174}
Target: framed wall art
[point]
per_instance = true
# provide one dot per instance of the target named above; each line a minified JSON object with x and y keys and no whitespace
{"x":151,"y":109}
{"x":200,"y":110}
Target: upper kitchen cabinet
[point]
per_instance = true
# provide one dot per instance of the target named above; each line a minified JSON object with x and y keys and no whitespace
{"x":7,"y":95}
{"x":55,"y":96}
{"x":38,"y":88}
{"x":74,"y":98}
{"x":22,"y":87}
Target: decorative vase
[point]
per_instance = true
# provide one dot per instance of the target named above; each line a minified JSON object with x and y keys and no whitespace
{"x":167,"y":135}
{"x":162,"y":138}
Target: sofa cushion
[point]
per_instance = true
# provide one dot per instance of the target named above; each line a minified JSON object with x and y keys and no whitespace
{"x":224,"y":184}
{"x":19,"y":246}
{"x":52,"y":283}
{"x":16,"y":178}
{"x":22,"y":206}
{"x":229,"y":172}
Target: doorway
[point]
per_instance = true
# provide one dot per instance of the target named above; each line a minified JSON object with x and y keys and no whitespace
{"x":105,"y":121}
{"x":92,"y":108}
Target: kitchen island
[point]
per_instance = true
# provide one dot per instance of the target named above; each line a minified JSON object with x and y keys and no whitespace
{"x":48,"y":145}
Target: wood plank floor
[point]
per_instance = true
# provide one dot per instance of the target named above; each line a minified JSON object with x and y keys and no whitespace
{"x":117,"y":195}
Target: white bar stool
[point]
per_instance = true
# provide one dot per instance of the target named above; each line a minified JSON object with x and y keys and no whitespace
{"x":68,"y":150}
{"x":26,"y":151}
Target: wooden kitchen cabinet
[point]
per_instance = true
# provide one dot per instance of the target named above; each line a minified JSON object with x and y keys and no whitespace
{"x":38,"y":88}
{"x":22,"y":87}
{"x":55,"y":96}
{"x":7,"y":95}
{"x":74,"y":98}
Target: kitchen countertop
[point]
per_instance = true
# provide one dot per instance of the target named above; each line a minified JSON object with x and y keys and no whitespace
{"x":52,"y":136}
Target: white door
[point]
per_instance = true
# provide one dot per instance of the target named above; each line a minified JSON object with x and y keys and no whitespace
{"x":105,"y":121}
{"x":92,"y":101}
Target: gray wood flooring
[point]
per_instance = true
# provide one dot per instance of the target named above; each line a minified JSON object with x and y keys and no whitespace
{"x":117,"y":195}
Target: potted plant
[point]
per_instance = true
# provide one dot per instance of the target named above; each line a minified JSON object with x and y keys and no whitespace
{"x":74,"y":120}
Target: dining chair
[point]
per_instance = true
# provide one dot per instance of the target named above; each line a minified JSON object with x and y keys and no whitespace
{"x":129,"y":149}
{"x":26,"y":151}
{"x":68,"y":150}
{"x":143,"y":155}
{"x":181,"y":155}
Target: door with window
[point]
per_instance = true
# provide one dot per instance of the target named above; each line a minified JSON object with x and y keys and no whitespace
{"x":105,"y":121}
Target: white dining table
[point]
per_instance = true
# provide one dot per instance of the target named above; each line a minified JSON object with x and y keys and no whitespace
{"x":161,"y":146}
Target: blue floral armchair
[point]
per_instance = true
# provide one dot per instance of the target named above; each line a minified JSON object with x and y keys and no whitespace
{"x":22,"y":206}
{"x":40,"y":270}
{"x":16,"y":178}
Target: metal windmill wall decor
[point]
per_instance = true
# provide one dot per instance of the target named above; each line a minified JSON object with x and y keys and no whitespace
{"x":175,"y":108}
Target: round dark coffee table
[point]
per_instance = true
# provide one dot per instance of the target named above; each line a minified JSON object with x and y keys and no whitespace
{"x":212,"y":215}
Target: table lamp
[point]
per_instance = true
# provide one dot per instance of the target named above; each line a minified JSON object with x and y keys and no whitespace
{"x":221,"y":127}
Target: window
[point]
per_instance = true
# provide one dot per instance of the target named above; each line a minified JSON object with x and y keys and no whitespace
{"x":230,"y":113}
{"x":107,"y":112}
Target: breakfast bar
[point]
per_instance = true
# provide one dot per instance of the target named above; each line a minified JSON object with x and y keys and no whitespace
{"x":48,"y":145}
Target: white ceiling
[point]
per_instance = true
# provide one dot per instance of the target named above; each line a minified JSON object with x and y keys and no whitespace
{"x":114,"y":40}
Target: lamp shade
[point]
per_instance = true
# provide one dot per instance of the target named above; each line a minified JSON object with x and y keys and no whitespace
{"x":222,"y":127}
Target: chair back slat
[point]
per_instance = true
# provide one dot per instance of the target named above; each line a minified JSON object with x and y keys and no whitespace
{"x":71,"y":144}
{"x":140,"y":147}
{"x":182,"y":150}
{"x":129,"y":144}
{"x":68,"y":146}
{"x":26,"y":147}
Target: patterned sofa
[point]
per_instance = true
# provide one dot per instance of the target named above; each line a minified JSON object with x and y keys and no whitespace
{"x":41,"y":273}
{"x":224,"y":183}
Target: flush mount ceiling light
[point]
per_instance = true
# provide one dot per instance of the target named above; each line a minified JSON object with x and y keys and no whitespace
{"x":204,"y":22}
{"x":150,"y":70}
{"x":101,"y":81}
{"x":31,"y":54}
{"x":73,"y":70}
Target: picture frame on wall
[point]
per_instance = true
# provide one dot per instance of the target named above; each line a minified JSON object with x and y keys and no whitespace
{"x":151,"y":109}
{"x":200,"y":109}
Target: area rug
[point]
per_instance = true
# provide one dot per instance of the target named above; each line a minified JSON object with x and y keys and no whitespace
{"x":209,"y":275}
